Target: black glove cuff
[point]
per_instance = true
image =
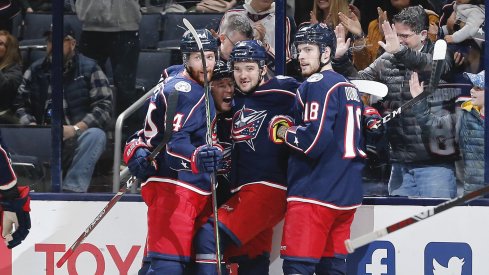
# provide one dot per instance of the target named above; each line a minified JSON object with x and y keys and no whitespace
{"x":10,"y":194}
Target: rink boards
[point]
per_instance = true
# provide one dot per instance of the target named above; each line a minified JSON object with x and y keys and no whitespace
{"x":454,"y":240}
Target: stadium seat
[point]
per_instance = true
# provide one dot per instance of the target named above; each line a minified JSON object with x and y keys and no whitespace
{"x":150,"y":65}
{"x":35,"y":24}
{"x":150,"y":30}
{"x":173,"y":28}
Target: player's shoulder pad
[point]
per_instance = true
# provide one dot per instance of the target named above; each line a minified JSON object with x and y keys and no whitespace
{"x":287,"y":83}
{"x":315,"y":78}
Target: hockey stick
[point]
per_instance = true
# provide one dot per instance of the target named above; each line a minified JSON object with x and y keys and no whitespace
{"x":351,"y":245}
{"x":209,"y":141}
{"x":439,"y":54}
{"x":170,"y":114}
{"x":370,"y":87}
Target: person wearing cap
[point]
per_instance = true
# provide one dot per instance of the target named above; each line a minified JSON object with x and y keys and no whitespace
{"x":467,"y":123}
{"x":87,"y":104}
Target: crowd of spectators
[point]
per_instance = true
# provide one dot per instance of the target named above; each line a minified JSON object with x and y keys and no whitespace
{"x":381,"y":42}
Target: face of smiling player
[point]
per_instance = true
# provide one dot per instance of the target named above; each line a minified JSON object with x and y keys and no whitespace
{"x":222,"y":92}
{"x":194,"y":65}
{"x":247,"y":75}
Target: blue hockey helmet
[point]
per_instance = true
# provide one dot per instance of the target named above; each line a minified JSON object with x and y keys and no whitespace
{"x":189,"y":45}
{"x":221,"y":70}
{"x":319,"y":34}
{"x":248,"y":50}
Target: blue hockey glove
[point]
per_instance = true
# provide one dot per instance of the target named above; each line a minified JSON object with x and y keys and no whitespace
{"x":206,"y":159}
{"x":139,"y":165}
{"x":16,"y":212}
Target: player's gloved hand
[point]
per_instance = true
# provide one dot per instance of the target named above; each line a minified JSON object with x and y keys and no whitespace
{"x":206,"y":159}
{"x":277,"y":127}
{"x":15,"y":211}
{"x":371,"y":119}
{"x":139,"y":165}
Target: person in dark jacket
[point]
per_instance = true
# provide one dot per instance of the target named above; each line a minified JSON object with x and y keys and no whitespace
{"x":467,"y":123}
{"x":87,"y":103}
{"x":10,"y":76}
{"x":420,"y":168}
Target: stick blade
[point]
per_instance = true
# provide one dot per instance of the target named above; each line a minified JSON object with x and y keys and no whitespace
{"x":440,"y":50}
{"x":371,"y":87}
{"x":194,"y":33}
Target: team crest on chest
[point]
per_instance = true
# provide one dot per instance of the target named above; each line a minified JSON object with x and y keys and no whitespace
{"x":183,"y":86}
{"x":246,"y":125}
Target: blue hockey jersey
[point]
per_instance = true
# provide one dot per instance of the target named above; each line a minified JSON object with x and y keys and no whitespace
{"x":255,"y":158}
{"x":325,"y":165}
{"x":189,"y":132}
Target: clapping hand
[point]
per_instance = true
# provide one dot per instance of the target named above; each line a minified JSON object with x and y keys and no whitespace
{"x":341,"y":45}
{"x":414,"y":86}
{"x":392,"y":44}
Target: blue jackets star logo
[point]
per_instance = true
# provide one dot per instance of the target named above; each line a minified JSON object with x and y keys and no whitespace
{"x":246,"y":125}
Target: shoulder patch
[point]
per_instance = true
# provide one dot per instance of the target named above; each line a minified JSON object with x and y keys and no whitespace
{"x":183,"y":86}
{"x":315,"y":77}
{"x":282,"y":77}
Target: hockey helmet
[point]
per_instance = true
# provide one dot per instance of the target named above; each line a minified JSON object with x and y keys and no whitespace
{"x":221,"y":70}
{"x":189,"y":45}
{"x":319,"y":34}
{"x":248,"y":50}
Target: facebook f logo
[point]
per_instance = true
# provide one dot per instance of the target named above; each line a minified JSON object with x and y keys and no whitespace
{"x":447,"y":258}
{"x":378,"y":258}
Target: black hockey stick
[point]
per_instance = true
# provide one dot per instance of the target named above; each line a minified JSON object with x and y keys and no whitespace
{"x":439,"y":54}
{"x":208,"y":141}
{"x":351,"y":245}
{"x":170,"y":114}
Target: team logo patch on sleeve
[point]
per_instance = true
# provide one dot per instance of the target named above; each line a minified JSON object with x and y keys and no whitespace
{"x":315,"y":77}
{"x":183,"y":86}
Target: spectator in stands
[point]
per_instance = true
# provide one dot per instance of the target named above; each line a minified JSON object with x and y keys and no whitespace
{"x":261,"y":14}
{"x":10,"y":76}
{"x":111,"y":31}
{"x":87,"y":109}
{"x":236,"y":28}
{"x":375,"y":33}
{"x":468,"y":16}
{"x":215,"y":5}
{"x":8,"y":10}
{"x":416,"y":170}
{"x":468,"y":123}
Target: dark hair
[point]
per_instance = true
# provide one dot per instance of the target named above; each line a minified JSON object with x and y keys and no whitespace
{"x":414,"y":17}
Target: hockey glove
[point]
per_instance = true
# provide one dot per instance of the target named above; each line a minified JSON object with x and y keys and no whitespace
{"x":16,"y":212}
{"x":206,"y":159}
{"x":140,"y":166}
{"x":371,"y":118}
{"x":275,"y":124}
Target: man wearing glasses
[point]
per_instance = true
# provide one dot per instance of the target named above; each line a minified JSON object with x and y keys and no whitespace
{"x":419,"y":168}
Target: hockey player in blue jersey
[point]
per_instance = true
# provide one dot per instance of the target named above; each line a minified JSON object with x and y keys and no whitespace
{"x":326,"y":160}
{"x":258,"y":168}
{"x":176,"y":186}
{"x":14,"y":203}
{"x":237,"y":28}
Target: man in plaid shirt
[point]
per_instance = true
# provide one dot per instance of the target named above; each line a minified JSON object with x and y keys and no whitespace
{"x":87,"y":103}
